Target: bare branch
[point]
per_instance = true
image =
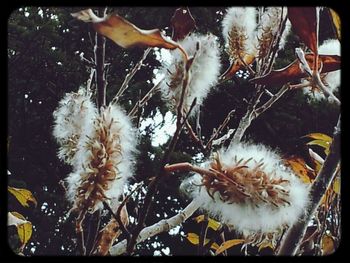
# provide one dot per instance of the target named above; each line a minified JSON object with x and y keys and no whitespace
{"x":194,"y":136}
{"x":130,"y":75}
{"x":271,"y":101}
{"x":220,"y":128}
{"x":152,"y":189}
{"x":146,"y":98}
{"x":163,"y":225}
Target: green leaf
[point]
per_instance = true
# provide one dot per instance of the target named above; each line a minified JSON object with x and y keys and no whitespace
{"x":23,"y":196}
{"x":228,"y":244}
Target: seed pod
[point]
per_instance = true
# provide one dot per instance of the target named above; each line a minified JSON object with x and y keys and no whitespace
{"x":255,"y":194}
{"x":103,"y":173}
{"x":73,"y":116}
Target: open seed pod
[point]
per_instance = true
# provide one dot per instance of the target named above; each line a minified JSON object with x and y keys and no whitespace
{"x":105,"y":161}
{"x":74,"y":114}
{"x":249,"y":189}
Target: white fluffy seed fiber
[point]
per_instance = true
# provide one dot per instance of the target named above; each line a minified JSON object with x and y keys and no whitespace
{"x":74,"y":114}
{"x":240,"y":23}
{"x":204,"y":71}
{"x":245,"y":217}
{"x":117,"y":159}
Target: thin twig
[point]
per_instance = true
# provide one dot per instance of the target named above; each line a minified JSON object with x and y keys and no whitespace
{"x":80,"y":232}
{"x":96,"y":232}
{"x":129,"y":76}
{"x":271,"y":101}
{"x":146,"y":98}
{"x":193,"y":135}
{"x":203,"y":235}
{"x":100,"y":64}
{"x":119,"y":210}
{"x":219,"y":129}
{"x":275,"y":48}
{"x":153,"y":186}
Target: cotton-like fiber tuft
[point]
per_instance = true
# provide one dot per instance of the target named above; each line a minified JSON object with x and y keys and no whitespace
{"x":204,"y":71}
{"x":239,"y":31}
{"x":74,"y":114}
{"x":104,"y":162}
{"x":249,"y":189}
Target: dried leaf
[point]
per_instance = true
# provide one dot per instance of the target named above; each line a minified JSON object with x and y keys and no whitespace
{"x":320,"y":143}
{"x":299,"y":167}
{"x":24,"y":196}
{"x":24,"y":227}
{"x":211,"y":222}
{"x":182,"y":23}
{"x":235,"y":66}
{"x":336,"y":185}
{"x":194,"y":239}
{"x":303,"y":20}
{"x":327,"y":245}
{"x":319,"y":136}
{"x":24,"y":232}
{"x":15,"y":219}
{"x":336,"y":21}
{"x":228,"y":244}
{"x":124,"y":33}
{"x":292,"y":72}
{"x":267,"y":243}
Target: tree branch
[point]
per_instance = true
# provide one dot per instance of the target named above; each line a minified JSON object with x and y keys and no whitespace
{"x":163,"y":225}
{"x":152,"y":189}
{"x":146,"y":98}
{"x":99,"y":51}
{"x":130,"y":75}
{"x":295,"y":234}
{"x":219,"y":129}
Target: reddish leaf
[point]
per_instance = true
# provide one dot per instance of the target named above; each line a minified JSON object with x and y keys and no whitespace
{"x":235,"y":66}
{"x":292,"y":72}
{"x":182,"y":23}
{"x":303,"y":21}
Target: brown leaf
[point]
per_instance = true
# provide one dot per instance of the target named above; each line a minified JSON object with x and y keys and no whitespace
{"x":327,"y":245}
{"x":292,"y":72}
{"x":235,"y":66}
{"x":106,"y":238}
{"x":182,"y":23}
{"x":298,"y":165}
{"x":109,"y":234}
{"x":124,"y":33}
{"x":303,"y":20}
